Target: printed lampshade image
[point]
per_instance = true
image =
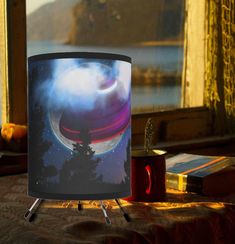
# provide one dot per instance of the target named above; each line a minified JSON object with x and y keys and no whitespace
{"x":79,"y":108}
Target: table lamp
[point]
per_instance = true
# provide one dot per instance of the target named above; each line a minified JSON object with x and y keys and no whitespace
{"x":79,"y":110}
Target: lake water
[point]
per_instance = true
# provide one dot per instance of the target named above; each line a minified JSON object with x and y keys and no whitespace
{"x":165,"y":58}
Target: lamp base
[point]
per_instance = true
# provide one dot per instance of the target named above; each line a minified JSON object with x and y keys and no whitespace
{"x":30,"y":214}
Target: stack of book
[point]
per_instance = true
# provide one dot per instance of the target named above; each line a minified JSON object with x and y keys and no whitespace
{"x":207,"y":175}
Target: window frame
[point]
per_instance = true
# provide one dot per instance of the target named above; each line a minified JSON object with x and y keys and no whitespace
{"x":195,"y":36}
{"x":3,"y":61}
{"x":13,"y":61}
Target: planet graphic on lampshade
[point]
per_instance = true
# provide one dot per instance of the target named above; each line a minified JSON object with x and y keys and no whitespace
{"x":95,"y":104}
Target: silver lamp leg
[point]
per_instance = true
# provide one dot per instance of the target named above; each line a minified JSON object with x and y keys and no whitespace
{"x":107,"y":219}
{"x":30,"y":214}
{"x":125,"y":215}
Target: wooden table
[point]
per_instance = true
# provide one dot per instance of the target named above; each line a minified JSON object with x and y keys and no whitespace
{"x":183,"y":218}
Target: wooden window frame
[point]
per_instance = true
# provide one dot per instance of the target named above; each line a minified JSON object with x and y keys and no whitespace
{"x":176,"y":127}
{"x":195,"y":32}
{"x":13,"y":61}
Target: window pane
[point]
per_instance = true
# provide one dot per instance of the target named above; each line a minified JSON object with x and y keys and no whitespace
{"x":150,"y":32}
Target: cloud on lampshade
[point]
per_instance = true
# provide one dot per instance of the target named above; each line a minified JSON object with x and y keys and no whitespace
{"x":79,"y":83}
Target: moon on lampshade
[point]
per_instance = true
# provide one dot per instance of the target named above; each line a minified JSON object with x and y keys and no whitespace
{"x":89,"y":98}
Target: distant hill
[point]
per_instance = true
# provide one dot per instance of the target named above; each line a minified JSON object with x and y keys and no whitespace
{"x":104,"y":22}
{"x":51,"y":21}
{"x":107,"y":22}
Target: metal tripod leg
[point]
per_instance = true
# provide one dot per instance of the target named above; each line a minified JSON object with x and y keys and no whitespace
{"x":125,"y":215}
{"x":30,"y":214}
{"x":107,"y":219}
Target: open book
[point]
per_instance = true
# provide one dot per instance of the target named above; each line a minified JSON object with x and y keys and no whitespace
{"x":208,"y":175}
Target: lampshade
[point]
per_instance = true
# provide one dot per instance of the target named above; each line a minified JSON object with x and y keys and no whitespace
{"x":79,"y":110}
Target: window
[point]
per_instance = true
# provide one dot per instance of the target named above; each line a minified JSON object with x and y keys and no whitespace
{"x":151,"y":32}
{"x":170,"y":124}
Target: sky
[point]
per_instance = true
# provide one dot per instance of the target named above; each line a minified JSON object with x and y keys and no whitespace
{"x":32,"y":5}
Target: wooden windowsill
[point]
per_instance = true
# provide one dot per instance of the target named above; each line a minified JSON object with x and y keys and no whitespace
{"x":215,"y":145}
{"x":174,"y":126}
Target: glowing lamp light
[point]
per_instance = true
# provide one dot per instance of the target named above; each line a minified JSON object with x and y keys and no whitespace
{"x":79,"y":107}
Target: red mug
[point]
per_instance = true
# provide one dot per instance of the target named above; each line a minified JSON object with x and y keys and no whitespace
{"x":147,"y":176}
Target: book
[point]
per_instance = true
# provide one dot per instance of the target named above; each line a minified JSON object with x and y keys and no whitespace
{"x":207,"y":175}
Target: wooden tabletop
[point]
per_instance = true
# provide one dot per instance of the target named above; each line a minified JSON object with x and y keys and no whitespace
{"x":182,"y":218}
